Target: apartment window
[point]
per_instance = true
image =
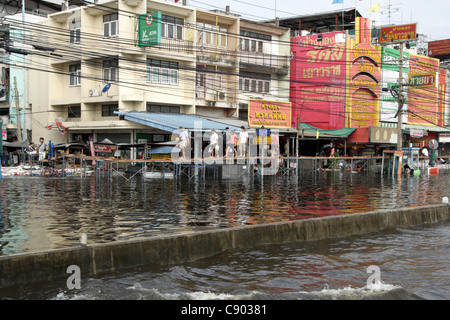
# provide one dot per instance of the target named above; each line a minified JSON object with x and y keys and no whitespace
{"x":246,"y":45}
{"x":254,"y":82}
{"x":75,"y":74}
{"x":111,"y":25}
{"x":200,"y":79}
{"x":163,"y":108}
{"x":108,"y":110}
{"x":254,"y":41}
{"x":173,"y":77}
{"x":75,"y":31}
{"x":111,"y":70}
{"x":159,"y":71}
{"x":74,"y":112}
{"x":172,"y":27}
{"x":212,"y":35}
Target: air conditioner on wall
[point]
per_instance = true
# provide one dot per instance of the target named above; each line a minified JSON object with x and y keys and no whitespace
{"x":94,"y":93}
{"x":221,"y":95}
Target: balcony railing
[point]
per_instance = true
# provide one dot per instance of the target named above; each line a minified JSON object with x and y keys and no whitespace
{"x":180,"y":46}
{"x":264,"y":59}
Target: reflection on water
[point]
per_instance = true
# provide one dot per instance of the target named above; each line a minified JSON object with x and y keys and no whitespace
{"x":39,"y":213}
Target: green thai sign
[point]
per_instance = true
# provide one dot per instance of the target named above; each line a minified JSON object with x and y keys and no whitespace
{"x":149,"y":29}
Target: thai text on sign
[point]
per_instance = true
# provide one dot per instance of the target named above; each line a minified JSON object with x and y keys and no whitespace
{"x":270,"y":114}
{"x":398,"y":33}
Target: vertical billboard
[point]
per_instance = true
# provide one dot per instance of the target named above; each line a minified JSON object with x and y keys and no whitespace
{"x":389,"y":79}
{"x":149,"y":29}
{"x":423,"y":98}
{"x":442,"y":96}
{"x":318,"y":79}
{"x":363,"y":109}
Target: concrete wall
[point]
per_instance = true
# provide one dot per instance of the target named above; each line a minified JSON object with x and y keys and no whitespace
{"x":102,"y":258}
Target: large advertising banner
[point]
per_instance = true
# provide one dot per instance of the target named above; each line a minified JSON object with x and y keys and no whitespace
{"x":389,"y":80}
{"x":364,"y":79}
{"x":439,"y":48}
{"x":423,"y":103}
{"x":442,"y":87}
{"x":270,"y":114}
{"x":318,"y":79}
{"x":398,"y":33}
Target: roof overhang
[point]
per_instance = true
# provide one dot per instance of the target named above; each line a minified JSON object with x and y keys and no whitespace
{"x":170,"y":122}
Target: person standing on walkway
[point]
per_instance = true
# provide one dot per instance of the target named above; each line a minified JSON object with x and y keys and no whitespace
{"x":231,"y":144}
{"x":42,"y":148}
{"x":225,"y":140}
{"x":243,"y":141}
{"x":183,"y":142}
{"x":214,"y":143}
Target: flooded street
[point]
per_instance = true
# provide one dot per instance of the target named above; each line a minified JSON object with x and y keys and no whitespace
{"x":40,"y":213}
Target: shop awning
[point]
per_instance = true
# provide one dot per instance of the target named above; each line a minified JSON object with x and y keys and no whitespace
{"x":16,"y":144}
{"x":427,"y":128}
{"x":311,"y":131}
{"x":170,"y":122}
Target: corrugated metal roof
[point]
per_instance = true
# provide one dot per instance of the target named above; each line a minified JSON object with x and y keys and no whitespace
{"x":170,"y":122}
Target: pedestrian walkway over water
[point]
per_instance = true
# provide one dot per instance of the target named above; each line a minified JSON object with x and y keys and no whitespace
{"x":66,"y":164}
{"x":234,"y":167}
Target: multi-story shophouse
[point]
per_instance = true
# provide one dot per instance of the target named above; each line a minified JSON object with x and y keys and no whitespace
{"x":264,"y":58}
{"x":102,"y":69}
{"x":204,"y":64}
{"x":16,"y":17}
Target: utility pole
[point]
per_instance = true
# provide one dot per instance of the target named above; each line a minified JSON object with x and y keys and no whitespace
{"x":19,"y":124}
{"x":400,"y":101}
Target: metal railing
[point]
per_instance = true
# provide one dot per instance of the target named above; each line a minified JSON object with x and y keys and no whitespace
{"x":173,"y":45}
{"x":264,"y":59}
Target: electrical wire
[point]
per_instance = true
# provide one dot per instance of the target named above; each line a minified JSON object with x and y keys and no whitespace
{"x":103,"y":55}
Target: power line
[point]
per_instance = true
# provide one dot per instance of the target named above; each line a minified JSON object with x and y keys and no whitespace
{"x":191,"y":69}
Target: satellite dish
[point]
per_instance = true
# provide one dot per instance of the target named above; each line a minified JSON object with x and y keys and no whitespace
{"x":106,"y":88}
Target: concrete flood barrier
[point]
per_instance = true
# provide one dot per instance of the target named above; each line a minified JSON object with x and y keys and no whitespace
{"x":28,"y":268}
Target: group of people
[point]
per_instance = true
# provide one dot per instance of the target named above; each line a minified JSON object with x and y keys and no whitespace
{"x":39,"y":150}
{"x":232,"y":141}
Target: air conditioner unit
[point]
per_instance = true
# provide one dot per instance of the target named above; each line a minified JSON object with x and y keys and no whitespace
{"x":94,"y":93}
{"x":221,"y":95}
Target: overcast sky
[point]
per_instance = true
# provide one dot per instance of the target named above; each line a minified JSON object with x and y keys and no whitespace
{"x":432,"y":16}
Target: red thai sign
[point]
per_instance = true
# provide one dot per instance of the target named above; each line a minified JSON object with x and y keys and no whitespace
{"x":438,"y":48}
{"x":318,"y":79}
{"x":270,"y":114}
{"x":102,"y":148}
{"x":398,"y":33}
